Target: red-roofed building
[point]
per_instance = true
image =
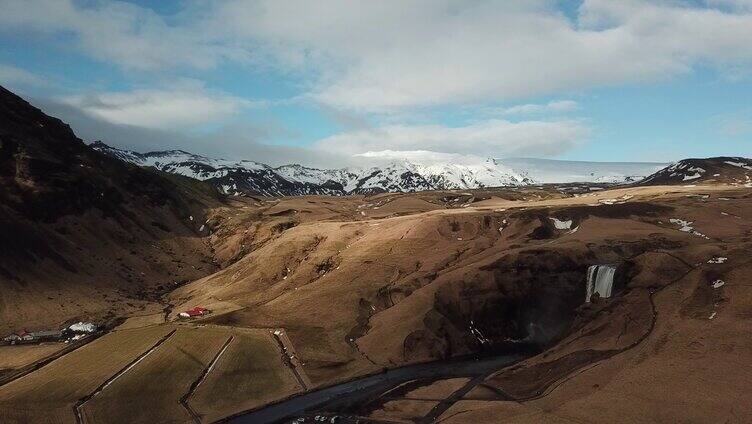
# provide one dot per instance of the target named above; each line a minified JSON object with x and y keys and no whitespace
{"x":195,"y":312}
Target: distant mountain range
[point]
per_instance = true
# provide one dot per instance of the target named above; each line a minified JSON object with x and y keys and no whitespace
{"x":562,"y":171}
{"x":249,"y":177}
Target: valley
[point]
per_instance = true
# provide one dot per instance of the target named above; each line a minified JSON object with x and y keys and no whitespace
{"x":451,"y":306}
{"x":375,"y":212}
{"x":344,"y":280}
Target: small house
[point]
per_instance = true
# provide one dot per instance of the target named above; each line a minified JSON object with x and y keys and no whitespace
{"x":26,"y":336}
{"x":195,"y":312}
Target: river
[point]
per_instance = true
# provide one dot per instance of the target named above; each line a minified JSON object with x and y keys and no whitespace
{"x":341,"y":397}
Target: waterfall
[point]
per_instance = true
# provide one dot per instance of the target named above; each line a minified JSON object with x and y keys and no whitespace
{"x":600,"y":279}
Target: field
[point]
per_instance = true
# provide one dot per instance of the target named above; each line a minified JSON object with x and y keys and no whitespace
{"x":141,"y":395}
{"x":247,"y":376}
{"x":123,"y":377}
{"x":50,"y":393}
{"x":403,"y":410}
{"x":142,"y":321}
{"x":13,"y":357}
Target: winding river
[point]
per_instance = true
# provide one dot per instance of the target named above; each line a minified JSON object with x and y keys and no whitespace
{"x":356,"y":392}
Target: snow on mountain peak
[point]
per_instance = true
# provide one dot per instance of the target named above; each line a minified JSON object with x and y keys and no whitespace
{"x":390,"y":171}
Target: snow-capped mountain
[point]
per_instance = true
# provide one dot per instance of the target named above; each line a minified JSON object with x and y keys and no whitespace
{"x":395,"y":175}
{"x":249,"y":177}
{"x":561,"y":171}
{"x":230,"y":177}
{"x":728,"y":170}
{"x":305,"y":175}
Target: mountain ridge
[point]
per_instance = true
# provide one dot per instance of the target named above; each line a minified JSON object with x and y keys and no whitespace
{"x":731,"y":170}
{"x":255,"y":178}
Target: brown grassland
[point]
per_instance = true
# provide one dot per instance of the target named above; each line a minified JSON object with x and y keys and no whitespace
{"x":13,"y":357}
{"x":248,"y":375}
{"x":150,"y":392}
{"x":360,"y":284}
{"x":50,"y":393}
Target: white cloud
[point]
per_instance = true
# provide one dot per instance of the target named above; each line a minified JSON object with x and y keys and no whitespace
{"x":390,"y":54}
{"x":118,"y":32}
{"x":423,"y":157}
{"x":735,"y":5}
{"x":239,"y":140}
{"x":396,"y":58}
{"x":378,"y":56}
{"x":494,"y":137}
{"x":12,"y":76}
{"x":558,"y":106}
{"x":184,"y":104}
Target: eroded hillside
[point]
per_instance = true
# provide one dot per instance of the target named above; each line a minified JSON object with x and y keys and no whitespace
{"x":363,"y":284}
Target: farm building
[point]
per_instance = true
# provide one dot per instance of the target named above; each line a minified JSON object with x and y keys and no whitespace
{"x":78,"y":331}
{"x":34,"y":336}
{"x":46,"y":335}
{"x":12,"y":338}
{"x":20,"y":337}
{"x":82,"y":328}
{"x":195,"y":312}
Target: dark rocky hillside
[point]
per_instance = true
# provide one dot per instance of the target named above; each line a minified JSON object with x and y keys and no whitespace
{"x":81,"y":229}
{"x":726,"y":170}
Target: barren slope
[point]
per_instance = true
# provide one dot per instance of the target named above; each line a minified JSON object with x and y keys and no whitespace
{"x":85,"y":236}
{"x":360,"y":295}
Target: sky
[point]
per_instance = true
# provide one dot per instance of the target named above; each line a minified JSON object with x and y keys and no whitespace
{"x":335,"y":82}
